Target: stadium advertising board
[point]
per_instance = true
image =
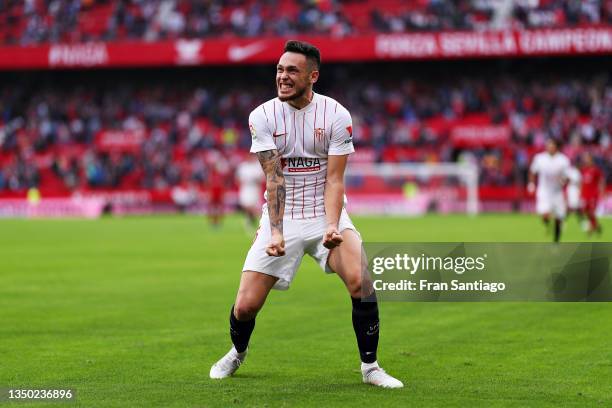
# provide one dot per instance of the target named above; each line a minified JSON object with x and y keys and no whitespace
{"x":441,"y":45}
{"x":480,"y":135}
{"x":120,"y":140}
{"x":52,"y":208}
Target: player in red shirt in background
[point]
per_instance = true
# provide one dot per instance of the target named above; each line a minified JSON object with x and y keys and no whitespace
{"x":593,"y":186}
{"x":217,"y":194}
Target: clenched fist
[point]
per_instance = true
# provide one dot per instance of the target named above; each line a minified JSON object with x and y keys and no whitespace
{"x":276,"y":247}
{"x":332,"y":237}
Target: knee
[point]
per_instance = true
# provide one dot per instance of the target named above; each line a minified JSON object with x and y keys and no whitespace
{"x":356,"y":287}
{"x":360,"y":287}
{"x":245,"y":309}
{"x":357,"y":281}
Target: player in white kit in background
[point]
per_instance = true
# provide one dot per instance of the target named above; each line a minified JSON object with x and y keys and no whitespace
{"x":250,"y":177}
{"x":302,"y":140}
{"x":551,"y":169}
{"x":574,"y":181}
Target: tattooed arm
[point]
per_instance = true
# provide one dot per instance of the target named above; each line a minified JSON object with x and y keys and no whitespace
{"x":275,"y":188}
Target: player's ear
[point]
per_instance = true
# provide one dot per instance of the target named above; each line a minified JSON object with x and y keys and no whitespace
{"x":314,"y":76}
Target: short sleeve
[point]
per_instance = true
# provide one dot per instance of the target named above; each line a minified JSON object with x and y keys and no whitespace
{"x":261,"y":136}
{"x":342,"y":134}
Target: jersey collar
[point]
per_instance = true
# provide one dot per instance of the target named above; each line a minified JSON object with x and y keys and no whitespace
{"x":306,"y":108}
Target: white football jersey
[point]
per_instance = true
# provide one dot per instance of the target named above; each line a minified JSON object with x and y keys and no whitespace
{"x":304,"y":138}
{"x":249,"y":174}
{"x":250,"y":178}
{"x":574,"y":177}
{"x":552,"y":170}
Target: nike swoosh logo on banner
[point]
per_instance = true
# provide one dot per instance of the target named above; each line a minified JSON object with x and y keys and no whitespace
{"x":238,"y":53}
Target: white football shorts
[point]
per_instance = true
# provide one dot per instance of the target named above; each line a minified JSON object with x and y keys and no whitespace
{"x":553,"y":204}
{"x":301,"y":237}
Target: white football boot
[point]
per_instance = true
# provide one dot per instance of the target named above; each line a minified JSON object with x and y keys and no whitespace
{"x":228,"y":364}
{"x":373,"y":374}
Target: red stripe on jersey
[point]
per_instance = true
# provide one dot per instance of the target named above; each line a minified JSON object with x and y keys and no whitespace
{"x":275,"y":127}
{"x":314,"y":139}
{"x":292,"y":198}
{"x":324,"y":123}
{"x":285,"y":126}
{"x":294,"y":130}
{"x":264,"y":109}
{"x":322,"y":184}
{"x":315,"y":196}
{"x":303,"y":196}
{"x":324,"y":112}
{"x":303,"y":122}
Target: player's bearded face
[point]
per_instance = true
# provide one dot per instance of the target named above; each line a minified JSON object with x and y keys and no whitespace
{"x":293,"y":76}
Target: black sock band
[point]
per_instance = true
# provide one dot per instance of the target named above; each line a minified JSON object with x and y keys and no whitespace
{"x":240,"y":332}
{"x":557,"y":230}
{"x":366,"y":325}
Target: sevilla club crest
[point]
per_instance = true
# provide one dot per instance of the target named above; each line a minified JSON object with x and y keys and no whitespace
{"x":319,"y":134}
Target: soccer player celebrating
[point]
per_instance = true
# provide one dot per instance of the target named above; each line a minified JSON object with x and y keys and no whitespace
{"x":593,"y":186}
{"x":250,"y":178}
{"x":551,"y":169}
{"x":303,"y":140}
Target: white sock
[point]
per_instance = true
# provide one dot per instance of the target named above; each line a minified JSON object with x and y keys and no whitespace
{"x":368,"y":366}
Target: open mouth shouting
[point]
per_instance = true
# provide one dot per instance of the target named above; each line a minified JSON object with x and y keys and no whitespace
{"x":285,"y":87}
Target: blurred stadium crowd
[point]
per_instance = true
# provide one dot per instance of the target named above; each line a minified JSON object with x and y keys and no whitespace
{"x":27,"y":22}
{"x":188,"y":127}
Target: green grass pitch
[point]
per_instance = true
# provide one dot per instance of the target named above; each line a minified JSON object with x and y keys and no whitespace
{"x":132,"y":312}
